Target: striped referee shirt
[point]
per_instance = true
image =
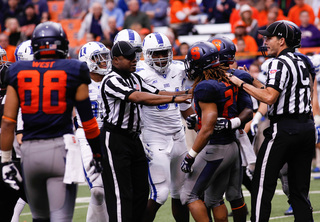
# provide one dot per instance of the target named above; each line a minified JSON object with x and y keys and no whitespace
{"x":289,"y":75}
{"x":116,"y":87}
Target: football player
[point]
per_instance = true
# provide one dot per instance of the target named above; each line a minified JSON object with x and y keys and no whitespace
{"x":47,"y":89}
{"x":97,"y":58}
{"x":214,"y":96}
{"x":167,"y":147}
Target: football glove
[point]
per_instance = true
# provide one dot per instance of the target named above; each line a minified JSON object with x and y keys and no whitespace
{"x":11,"y":175}
{"x":254,"y":124}
{"x":95,"y":167}
{"x":187,"y":163}
{"x":192,"y":121}
{"x":224,"y":124}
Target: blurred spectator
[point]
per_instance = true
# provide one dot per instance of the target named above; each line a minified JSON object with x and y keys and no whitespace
{"x":134,"y":15}
{"x":113,"y":30}
{"x":157,"y":12}
{"x":235,"y":14}
{"x":310,"y":35}
{"x":183,"y":49}
{"x":285,"y":5}
{"x":241,"y":45}
{"x":254,"y":69}
{"x":13,"y":30}
{"x":240,"y":33}
{"x":173,"y":38}
{"x":29,"y":20}
{"x":300,"y":6}
{"x":74,"y":9}
{"x":271,"y":18}
{"x":12,"y":10}
{"x":180,"y":16}
{"x":113,"y":11}
{"x":218,"y":11}
{"x":96,"y":22}
{"x":251,"y":23}
{"x":269,"y":5}
{"x":42,"y":10}
{"x":4,"y":43}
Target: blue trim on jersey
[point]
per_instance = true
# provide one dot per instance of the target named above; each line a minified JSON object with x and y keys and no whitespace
{"x":87,"y":178}
{"x":159,"y":38}
{"x":131,"y":35}
{"x":153,"y":190}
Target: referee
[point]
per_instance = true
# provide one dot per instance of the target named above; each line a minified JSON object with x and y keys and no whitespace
{"x":125,"y":174}
{"x":291,"y":136}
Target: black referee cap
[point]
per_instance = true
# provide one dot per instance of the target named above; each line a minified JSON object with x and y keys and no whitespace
{"x":280,"y":29}
{"x":123,"y":48}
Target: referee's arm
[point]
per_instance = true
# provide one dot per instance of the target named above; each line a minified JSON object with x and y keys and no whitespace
{"x":267,"y":95}
{"x":153,"y":99}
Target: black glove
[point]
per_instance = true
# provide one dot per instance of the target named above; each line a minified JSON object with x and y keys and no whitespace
{"x":187,"y":163}
{"x":192,"y":121}
{"x":222,"y":125}
{"x":95,"y":167}
{"x":11,"y":175}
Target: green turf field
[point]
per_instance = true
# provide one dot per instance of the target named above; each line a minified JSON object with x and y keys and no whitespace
{"x":279,"y":206}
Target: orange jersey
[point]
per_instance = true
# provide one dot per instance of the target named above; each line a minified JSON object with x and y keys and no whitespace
{"x":251,"y":45}
{"x":294,"y":14}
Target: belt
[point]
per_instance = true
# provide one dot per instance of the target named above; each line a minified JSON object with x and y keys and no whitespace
{"x":303,"y":117}
{"x":125,"y":132}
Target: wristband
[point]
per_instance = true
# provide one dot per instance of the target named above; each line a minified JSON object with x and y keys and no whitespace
{"x":6,"y":156}
{"x":173,"y":98}
{"x":192,"y":153}
{"x":241,"y":86}
{"x":235,"y":123}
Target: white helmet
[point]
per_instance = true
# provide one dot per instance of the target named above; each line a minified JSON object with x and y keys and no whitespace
{"x":3,"y":55}
{"x":24,"y":51}
{"x":153,"y":43}
{"x":131,"y":36}
{"x":94,"y":53}
{"x":128,"y":35}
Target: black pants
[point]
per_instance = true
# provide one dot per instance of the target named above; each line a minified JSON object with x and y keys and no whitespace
{"x":125,"y":176}
{"x":9,"y":196}
{"x":289,"y":141}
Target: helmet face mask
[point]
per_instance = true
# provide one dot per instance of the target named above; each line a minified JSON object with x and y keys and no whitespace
{"x":49,"y":40}
{"x":201,"y":56}
{"x":157,"y":52}
{"x":24,"y":51}
{"x":97,"y":57}
{"x":3,"y":56}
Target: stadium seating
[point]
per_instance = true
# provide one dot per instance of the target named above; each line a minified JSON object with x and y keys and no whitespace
{"x":55,"y":9}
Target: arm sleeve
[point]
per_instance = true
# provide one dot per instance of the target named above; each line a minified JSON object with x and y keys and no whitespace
{"x":277,"y":75}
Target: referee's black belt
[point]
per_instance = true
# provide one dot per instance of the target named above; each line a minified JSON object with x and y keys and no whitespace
{"x":303,"y":117}
{"x":115,"y":129}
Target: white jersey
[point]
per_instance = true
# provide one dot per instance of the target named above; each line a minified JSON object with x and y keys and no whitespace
{"x":97,"y":104}
{"x":156,"y":118}
{"x":315,"y":59}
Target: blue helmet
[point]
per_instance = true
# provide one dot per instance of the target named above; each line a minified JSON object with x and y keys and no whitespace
{"x":49,"y":39}
{"x":201,"y":56}
{"x":226,"y":48}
